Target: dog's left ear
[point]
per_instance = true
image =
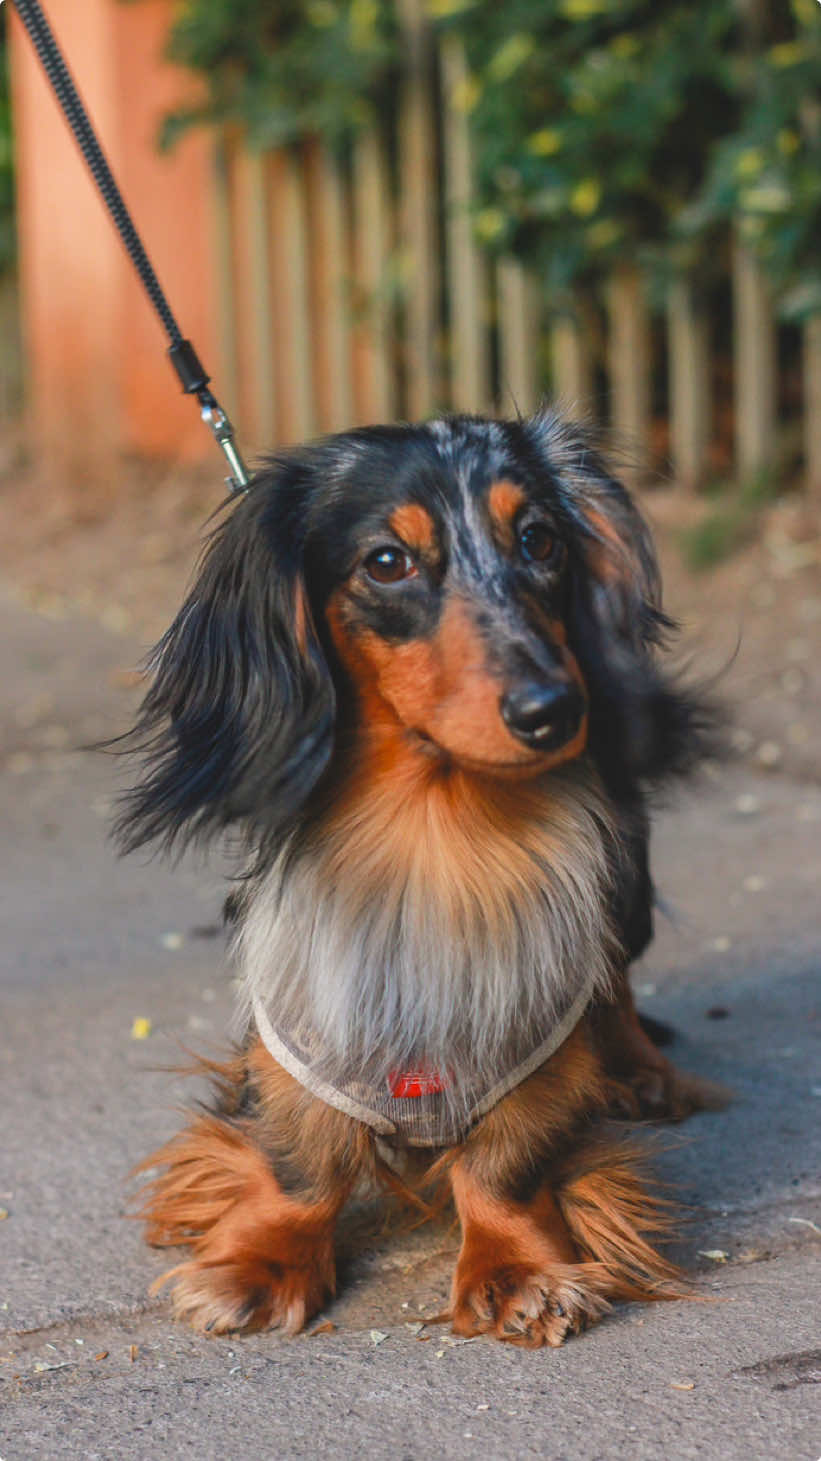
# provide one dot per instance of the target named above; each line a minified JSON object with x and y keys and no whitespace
{"x":238,"y":723}
{"x":644,"y":726}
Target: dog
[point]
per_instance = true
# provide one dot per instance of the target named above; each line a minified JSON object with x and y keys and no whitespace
{"x":420,"y":677}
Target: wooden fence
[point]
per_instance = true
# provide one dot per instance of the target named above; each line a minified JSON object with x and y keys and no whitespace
{"x":338,"y":292}
{"x":353,"y":292}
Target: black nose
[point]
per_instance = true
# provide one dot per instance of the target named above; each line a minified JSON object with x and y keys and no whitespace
{"x":544,"y":716}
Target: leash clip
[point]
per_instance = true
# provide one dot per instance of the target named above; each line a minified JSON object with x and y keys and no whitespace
{"x":194,"y":378}
{"x":218,"y":423}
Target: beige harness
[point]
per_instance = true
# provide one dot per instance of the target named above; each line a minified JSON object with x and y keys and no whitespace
{"x":426,"y":1114}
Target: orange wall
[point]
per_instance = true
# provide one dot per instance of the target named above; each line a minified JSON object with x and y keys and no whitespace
{"x":97,"y":380}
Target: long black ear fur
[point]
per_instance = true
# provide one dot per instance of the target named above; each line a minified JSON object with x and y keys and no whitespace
{"x":645,"y":725}
{"x":238,"y":723}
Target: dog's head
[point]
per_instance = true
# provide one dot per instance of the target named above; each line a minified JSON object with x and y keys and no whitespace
{"x":484,"y":590}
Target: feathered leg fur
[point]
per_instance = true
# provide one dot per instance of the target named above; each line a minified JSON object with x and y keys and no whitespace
{"x":555,"y":1221}
{"x":555,"y":1218}
{"x":254,"y":1190}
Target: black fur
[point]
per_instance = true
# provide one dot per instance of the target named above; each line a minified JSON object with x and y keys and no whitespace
{"x":238,"y":723}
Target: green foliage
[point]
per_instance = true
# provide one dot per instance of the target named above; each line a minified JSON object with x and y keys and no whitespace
{"x":283,"y":70}
{"x":766,"y":175}
{"x":593,"y":119}
{"x":7,"y":237}
{"x":716,"y":537}
{"x":603,"y":130}
{"x":730,"y":524}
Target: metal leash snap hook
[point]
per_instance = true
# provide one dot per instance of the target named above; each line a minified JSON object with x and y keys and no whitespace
{"x":220,"y":426}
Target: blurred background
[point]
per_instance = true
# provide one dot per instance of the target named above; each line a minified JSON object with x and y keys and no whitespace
{"x":369,"y":209}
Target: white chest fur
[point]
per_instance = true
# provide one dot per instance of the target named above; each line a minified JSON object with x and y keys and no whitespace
{"x":451,"y":929}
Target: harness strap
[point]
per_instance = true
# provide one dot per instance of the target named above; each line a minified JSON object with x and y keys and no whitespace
{"x":423,"y":1115}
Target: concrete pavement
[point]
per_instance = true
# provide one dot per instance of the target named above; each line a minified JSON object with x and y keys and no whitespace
{"x":91,"y":1368}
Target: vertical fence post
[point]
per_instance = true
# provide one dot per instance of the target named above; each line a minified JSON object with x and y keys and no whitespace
{"x":375,"y":379}
{"x":260,"y":325}
{"x":572,"y":365}
{"x":418,"y":207}
{"x":288,"y":242}
{"x":812,"y":403}
{"x":629,"y":357}
{"x":245,"y":325}
{"x":470,"y":388}
{"x":519,"y":386}
{"x":754,"y":335}
{"x":754,"y":351}
{"x":689,"y":375}
{"x":226,"y":305}
{"x":331,"y":278}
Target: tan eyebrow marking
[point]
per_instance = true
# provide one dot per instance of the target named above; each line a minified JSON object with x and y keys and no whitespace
{"x":606,"y":556}
{"x":602,"y":526}
{"x":504,"y":501}
{"x":414,"y":526}
{"x":557,"y":631}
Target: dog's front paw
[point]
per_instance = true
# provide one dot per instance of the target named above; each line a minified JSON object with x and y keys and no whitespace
{"x":259,"y":1258}
{"x":246,"y":1294}
{"x":517,"y":1304}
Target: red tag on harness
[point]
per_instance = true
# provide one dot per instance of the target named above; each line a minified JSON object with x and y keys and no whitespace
{"x":411,"y":1084}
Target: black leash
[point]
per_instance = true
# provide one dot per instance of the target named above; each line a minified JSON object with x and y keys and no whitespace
{"x":192,"y":374}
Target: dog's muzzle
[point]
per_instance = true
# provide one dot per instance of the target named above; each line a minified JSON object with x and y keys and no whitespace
{"x":544,"y":715}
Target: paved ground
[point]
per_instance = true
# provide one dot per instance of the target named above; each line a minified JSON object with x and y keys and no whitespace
{"x":91,"y":1368}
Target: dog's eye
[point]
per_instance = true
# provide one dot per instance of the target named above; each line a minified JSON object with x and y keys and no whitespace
{"x":389,"y":565}
{"x":538,"y":545}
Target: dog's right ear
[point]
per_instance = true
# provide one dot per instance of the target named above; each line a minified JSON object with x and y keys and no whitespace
{"x":238,"y":723}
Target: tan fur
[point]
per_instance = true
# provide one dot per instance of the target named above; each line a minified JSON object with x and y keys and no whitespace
{"x":257,"y":1257}
{"x":504,"y":500}
{"x":612,"y":558}
{"x":604,"y":1200}
{"x":302,"y":617}
{"x":517,"y":1276}
{"x":443,"y":689}
{"x":327,"y":1147}
{"x":535,"y":1268}
{"x":260,"y":1257}
{"x":415,"y":526}
{"x":607,"y":555}
{"x":524,"y":1128}
{"x":531,"y":1270}
{"x":642,"y":1082}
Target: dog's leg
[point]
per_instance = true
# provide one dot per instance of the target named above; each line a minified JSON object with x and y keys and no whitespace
{"x":258,"y":1257}
{"x":253,"y":1190}
{"x":644,"y":1084}
{"x":518,"y":1276}
{"x":547,"y":1244}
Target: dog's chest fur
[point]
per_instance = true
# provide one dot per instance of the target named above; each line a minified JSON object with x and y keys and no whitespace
{"x":448,"y":923}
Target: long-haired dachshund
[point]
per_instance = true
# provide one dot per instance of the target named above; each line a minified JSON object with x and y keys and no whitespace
{"x":418,"y":672}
